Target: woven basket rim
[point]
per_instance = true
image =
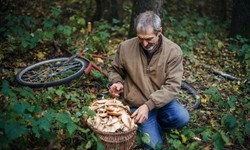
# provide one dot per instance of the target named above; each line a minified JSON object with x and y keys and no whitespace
{"x":113,"y":133}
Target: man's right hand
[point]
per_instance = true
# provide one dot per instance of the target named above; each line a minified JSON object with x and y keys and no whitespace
{"x":115,"y":89}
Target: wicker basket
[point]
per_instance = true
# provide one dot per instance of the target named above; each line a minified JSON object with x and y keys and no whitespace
{"x":119,"y":141}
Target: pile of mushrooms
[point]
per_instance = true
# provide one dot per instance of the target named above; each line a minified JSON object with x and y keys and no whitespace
{"x":111,"y":116}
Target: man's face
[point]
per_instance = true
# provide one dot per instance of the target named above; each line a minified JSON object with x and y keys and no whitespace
{"x":149,"y":39}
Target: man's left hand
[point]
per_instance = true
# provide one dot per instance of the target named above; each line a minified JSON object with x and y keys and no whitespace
{"x":141,"y":114}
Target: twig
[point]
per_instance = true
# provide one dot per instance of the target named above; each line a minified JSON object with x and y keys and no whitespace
{"x":217,"y":72}
{"x":227,"y":76}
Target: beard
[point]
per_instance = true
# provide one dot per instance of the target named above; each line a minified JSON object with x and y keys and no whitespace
{"x":150,"y":47}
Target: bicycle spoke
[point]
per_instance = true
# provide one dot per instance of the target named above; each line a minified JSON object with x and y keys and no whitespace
{"x":52,"y":72}
{"x":32,"y":76}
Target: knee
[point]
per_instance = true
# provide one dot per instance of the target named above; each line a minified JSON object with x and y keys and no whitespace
{"x":176,"y":120}
{"x":182,"y":118}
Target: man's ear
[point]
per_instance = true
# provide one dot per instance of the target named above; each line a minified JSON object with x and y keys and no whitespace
{"x":160,"y":31}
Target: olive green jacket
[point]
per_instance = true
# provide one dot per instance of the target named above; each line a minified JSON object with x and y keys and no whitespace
{"x":154,"y":84}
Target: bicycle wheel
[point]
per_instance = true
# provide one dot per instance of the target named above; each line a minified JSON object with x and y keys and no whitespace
{"x":52,"y":72}
{"x":192,"y":101}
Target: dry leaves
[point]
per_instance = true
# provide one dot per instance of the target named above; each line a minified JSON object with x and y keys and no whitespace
{"x":111,"y":116}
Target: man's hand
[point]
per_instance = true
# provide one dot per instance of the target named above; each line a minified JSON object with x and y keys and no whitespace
{"x":115,"y":89}
{"x":141,"y":114}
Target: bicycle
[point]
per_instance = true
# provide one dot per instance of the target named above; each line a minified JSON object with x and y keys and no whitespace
{"x":58,"y":71}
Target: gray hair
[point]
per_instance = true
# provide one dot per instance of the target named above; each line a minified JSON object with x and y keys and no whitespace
{"x":146,"y":20}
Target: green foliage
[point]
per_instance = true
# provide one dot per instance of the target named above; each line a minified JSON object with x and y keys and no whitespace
{"x":232,"y":124}
{"x":241,"y":47}
{"x":22,"y":116}
{"x":142,"y":138}
{"x":19,"y":32}
{"x":35,"y":118}
{"x":214,"y":93}
{"x":99,"y":39}
{"x":175,"y":140}
{"x":101,"y":77}
{"x":24,"y":33}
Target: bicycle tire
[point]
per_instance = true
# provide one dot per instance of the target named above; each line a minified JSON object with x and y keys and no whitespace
{"x":191,"y":90}
{"x":52,"y":72}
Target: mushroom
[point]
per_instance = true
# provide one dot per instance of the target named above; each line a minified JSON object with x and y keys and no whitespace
{"x":114,"y":113}
{"x":111,"y":116}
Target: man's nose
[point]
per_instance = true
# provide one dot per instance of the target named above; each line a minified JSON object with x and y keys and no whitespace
{"x":145,"y":43}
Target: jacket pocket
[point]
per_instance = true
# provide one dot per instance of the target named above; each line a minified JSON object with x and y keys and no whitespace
{"x":134,"y":97}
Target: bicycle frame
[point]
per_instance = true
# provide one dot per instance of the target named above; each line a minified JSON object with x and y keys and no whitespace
{"x":91,"y":64}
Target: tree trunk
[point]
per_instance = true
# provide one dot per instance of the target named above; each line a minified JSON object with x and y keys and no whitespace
{"x":240,"y":24}
{"x":108,"y":10}
{"x":99,"y":10}
{"x":223,"y":9}
{"x":140,"y":6}
{"x":213,"y":8}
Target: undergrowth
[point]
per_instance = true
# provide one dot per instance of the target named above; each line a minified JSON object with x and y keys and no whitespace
{"x":53,"y":118}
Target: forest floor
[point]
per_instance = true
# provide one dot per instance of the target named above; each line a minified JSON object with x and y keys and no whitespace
{"x":221,"y":122}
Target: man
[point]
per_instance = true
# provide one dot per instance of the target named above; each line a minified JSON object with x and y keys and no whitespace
{"x":149,"y":69}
